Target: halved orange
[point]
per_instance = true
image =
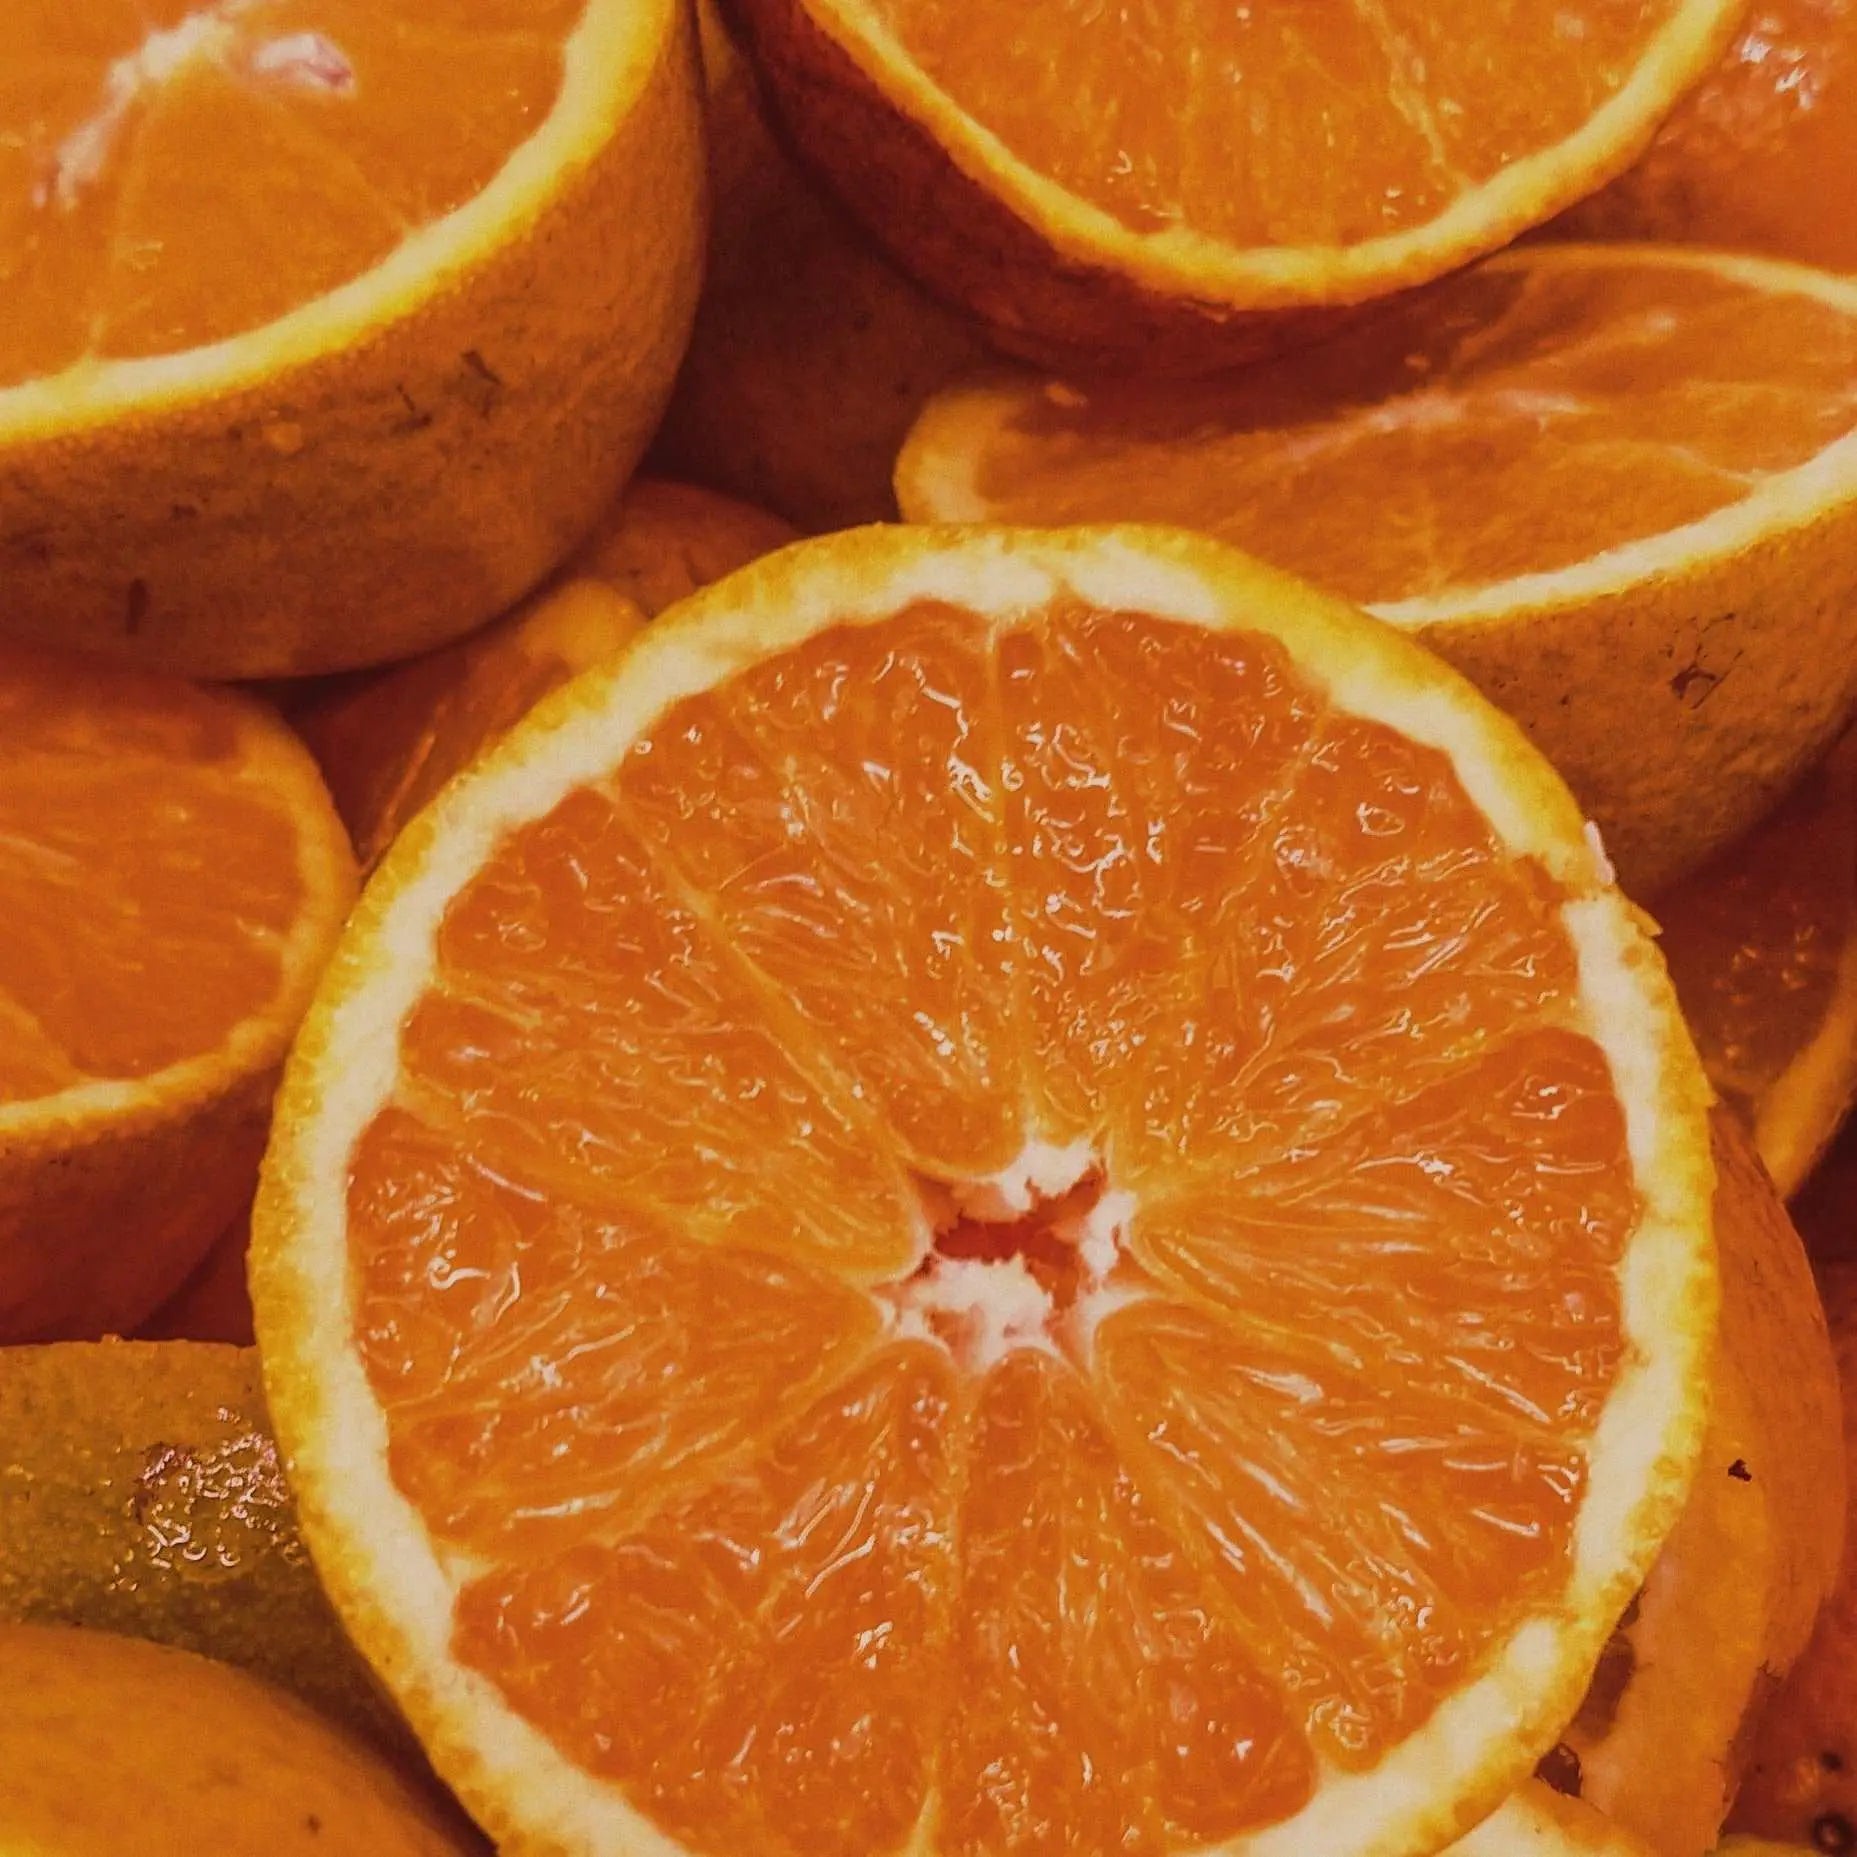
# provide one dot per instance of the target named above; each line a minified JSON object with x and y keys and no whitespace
{"x":1615,"y":485}
{"x":1138,"y":187}
{"x":1006,"y":1192}
{"x":1754,"y":157}
{"x":388,"y":740}
{"x":172,"y":877}
{"x":1762,"y":945}
{"x":330,"y":325}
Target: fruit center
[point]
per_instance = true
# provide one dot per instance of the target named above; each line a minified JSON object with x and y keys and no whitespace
{"x":1032,"y":1259}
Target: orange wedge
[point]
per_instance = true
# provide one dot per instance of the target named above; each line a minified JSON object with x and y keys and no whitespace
{"x":309,"y":359}
{"x":1004,"y":1192}
{"x":388,"y":740}
{"x":172,"y":877}
{"x":1756,"y":156}
{"x":1143,"y":187}
{"x":1616,"y":486}
{"x":1762,"y":945}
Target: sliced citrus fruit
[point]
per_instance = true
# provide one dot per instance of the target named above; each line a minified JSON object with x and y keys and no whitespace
{"x":110,"y":1745}
{"x":140,"y":1492}
{"x":388,"y":740}
{"x":1762,"y":945}
{"x":1661,"y":1741}
{"x":172,"y":877}
{"x":1007,"y":1191}
{"x":811,"y":354}
{"x":1616,"y":486}
{"x":1753,"y":157}
{"x":350,"y":394}
{"x":1802,"y":1774}
{"x":1111,"y":187}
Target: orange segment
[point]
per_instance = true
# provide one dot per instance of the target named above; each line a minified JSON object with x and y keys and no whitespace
{"x":124,"y":187}
{"x":766,"y":1660}
{"x":675,"y":1391}
{"x":768,"y":797}
{"x":1113,"y":1701}
{"x":857,"y":1378}
{"x":652,"y":1065}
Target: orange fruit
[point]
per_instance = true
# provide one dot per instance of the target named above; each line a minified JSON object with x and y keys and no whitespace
{"x":1004,"y":1191}
{"x":172,"y":877}
{"x":351,"y":394}
{"x":140,"y":1492}
{"x":811,"y":354}
{"x":1616,"y":486}
{"x":1753,"y":157}
{"x":111,"y":1745}
{"x":388,"y":740}
{"x":1801,"y":1784}
{"x":1762,"y":945}
{"x":1662,"y":1738}
{"x":1135,"y":188}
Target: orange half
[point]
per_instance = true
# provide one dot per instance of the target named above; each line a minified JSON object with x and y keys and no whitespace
{"x":1008,"y":1192}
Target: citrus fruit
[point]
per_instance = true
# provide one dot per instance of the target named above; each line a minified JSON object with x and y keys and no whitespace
{"x":172,"y":876}
{"x":664,"y":540}
{"x":110,"y":1745}
{"x":1005,"y":1191}
{"x":352,"y":393}
{"x":811,"y":354}
{"x":1753,"y":157}
{"x":1801,"y":1784}
{"x":140,"y":1492}
{"x":1662,"y":1737}
{"x":1616,"y":486}
{"x":1117,"y":187}
{"x":388,"y":740}
{"x":1762,"y":945}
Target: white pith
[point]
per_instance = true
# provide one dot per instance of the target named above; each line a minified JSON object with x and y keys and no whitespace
{"x":977,"y":1310}
{"x":373,"y":1543}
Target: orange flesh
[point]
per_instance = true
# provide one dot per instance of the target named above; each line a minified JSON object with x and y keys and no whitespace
{"x":650,"y":1247}
{"x":1756,"y":937}
{"x":146,"y":884}
{"x":1514,"y":420}
{"x":126,"y":230}
{"x":1272,"y":125}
